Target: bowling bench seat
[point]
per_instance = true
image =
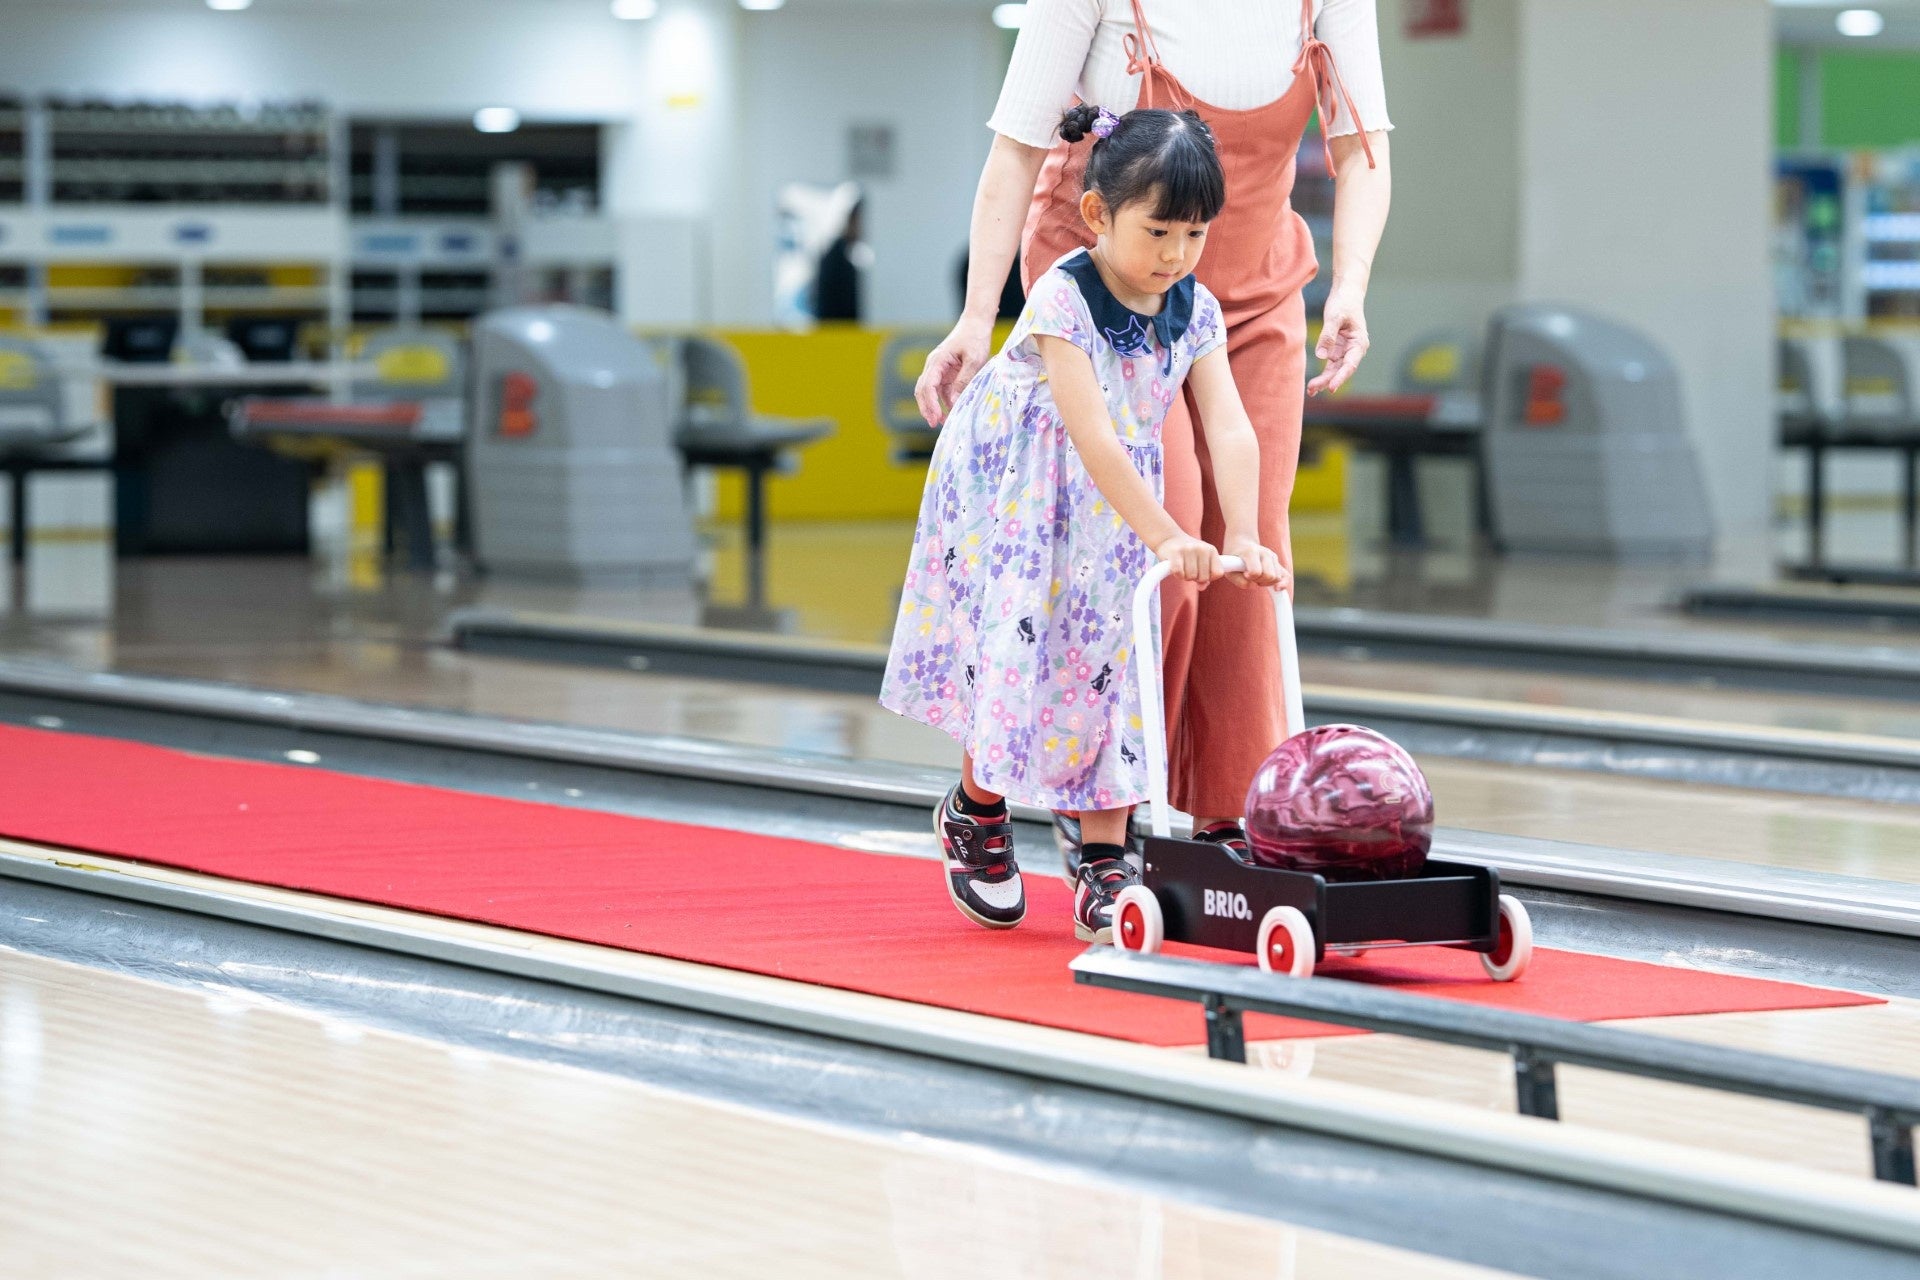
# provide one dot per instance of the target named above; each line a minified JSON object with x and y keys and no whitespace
{"x":405,"y":435}
{"x":34,"y":429}
{"x":411,"y":413}
{"x":901,"y":361}
{"x":1869,"y":404}
{"x":718,"y":428}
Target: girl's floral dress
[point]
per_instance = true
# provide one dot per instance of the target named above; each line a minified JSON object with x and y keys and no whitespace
{"x":1015,"y":626}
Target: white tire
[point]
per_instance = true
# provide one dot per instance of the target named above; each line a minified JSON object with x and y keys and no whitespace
{"x":1138,"y":925}
{"x":1286,"y":943}
{"x":1513,"y":946}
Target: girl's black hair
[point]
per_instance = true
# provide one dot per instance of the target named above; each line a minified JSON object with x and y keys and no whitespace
{"x":1168,"y":154}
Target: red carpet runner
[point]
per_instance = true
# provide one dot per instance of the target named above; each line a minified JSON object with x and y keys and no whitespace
{"x":863,"y":922}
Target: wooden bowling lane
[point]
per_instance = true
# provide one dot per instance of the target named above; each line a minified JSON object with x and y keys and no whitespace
{"x":846,"y":725}
{"x":1829,"y":713}
{"x":1874,"y":1037}
{"x":166,"y":1131}
{"x":1810,"y":833}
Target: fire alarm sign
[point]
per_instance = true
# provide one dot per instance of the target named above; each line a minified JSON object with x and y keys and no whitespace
{"x":1428,"y":18}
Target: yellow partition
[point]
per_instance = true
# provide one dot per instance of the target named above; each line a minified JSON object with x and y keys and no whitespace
{"x":833,"y":372}
{"x":1321,"y":484}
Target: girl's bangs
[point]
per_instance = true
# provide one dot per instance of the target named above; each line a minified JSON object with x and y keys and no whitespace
{"x":1193,"y":190}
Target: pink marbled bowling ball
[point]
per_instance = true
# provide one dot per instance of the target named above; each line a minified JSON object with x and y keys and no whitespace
{"x":1341,"y":801}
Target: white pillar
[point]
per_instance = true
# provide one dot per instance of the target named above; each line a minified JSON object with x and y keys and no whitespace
{"x":670,"y":168}
{"x":1450,"y":255}
{"x":1645,"y":155}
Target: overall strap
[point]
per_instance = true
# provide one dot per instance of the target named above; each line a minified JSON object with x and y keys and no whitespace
{"x":1143,"y":55}
{"x":1329,"y":91}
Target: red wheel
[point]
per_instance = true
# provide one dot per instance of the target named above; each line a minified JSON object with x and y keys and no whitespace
{"x":1138,"y":925}
{"x":1286,"y":943}
{"x":1513,"y":942}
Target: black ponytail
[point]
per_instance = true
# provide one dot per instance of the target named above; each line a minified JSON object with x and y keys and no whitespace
{"x":1078,"y":122}
{"x":1166,"y":156}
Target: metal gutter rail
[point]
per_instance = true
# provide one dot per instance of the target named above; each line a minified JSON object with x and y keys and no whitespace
{"x":855,"y":667}
{"x":1884,"y":670}
{"x":1865,"y":607}
{"x":1661,"y":655}
{"x":1891,"y":1104}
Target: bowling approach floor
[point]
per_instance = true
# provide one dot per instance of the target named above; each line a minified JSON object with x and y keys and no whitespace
{"x":431,"y":1106}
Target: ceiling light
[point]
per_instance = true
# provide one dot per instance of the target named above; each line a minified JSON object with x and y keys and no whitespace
{"x":228,"y":6}
{"x":635,"y":10}
{"x":1008,"y":17}
{"x":762,"y":5}
{"x":1860,"y":22}
{"x":496,"y":119}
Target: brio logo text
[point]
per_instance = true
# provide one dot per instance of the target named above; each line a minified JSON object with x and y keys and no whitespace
{"x":1231,"y":905}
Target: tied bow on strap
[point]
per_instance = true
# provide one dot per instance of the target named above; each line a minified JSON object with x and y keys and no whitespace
{"x":1142,"y":60}
{"x":1329,"y":91}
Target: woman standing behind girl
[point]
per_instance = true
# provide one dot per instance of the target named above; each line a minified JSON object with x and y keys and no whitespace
{"x":1043,"y":509}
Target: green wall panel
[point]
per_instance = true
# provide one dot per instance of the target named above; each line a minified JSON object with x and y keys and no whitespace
{"x":1786,"y":99}
{"x":1870,"y":99}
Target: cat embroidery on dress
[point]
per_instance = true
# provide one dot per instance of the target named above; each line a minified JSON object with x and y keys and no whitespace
{"x":1026,"y":630}
{"x":1135,"y":338}
{"x":1101,"y":681}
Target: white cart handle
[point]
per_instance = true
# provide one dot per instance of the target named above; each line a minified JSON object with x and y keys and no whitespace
{"x":1153,"y":716}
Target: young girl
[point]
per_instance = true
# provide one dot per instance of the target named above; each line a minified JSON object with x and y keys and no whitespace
{"x":1042,"y":511}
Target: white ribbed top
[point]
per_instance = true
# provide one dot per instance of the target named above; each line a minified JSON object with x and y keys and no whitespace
{"x":1234,"y":54}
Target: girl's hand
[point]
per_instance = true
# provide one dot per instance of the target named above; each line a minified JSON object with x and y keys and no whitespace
{"x":1192,"y":559}
{"x":1343,"y":341}
{"x":1263,"y":567}
{"x":950,"y":367}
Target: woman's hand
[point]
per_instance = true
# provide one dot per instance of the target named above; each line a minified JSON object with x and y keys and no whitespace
{"x":1263,"y":567}
{"x":1191,"y":559}
{"x":1343,"y":341}
{"x":950,"y":367}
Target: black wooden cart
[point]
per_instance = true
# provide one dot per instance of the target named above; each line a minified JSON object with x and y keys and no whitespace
{"x":1196,"y":892}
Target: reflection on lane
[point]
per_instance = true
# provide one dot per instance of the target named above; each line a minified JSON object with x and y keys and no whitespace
{"x":237,"y":1138}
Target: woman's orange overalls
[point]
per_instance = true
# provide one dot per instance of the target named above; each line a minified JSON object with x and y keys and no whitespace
{"x":1221,"y":658}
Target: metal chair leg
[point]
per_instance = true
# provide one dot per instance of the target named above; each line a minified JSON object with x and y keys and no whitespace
{"x":1909,"y":505}
{"x":409,"y":515}
{"x":1816,"y":503}
{"x":18,"y":549}
{"x":757,"y":534}
{"x":1405,"y":527}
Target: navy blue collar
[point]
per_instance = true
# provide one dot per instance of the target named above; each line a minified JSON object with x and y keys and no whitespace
{"x":1129,"y":332}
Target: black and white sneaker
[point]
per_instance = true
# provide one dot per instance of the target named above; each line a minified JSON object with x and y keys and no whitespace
{"x":982,"y":877}
{"x":1098,"y":883}
{"x":1066,"y":836}
{"x":1230,"y":836}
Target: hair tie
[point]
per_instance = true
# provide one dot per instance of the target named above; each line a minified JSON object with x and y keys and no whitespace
{"x":1105,"y":123}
